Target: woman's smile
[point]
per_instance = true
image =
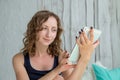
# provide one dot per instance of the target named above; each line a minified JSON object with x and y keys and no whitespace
{"x":47,"y":40}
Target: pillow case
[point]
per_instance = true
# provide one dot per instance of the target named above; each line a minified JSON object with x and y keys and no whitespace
{"x":88,"y":74}
{"x":103,"y":73}
{"x":115,"y":73}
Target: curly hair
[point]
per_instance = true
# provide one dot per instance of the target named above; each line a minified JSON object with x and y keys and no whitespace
{"x":34,"y":26}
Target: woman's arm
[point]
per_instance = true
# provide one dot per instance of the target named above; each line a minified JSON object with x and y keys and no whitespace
{"x":53,"y":75}
{"x":66,"y":55}
{"x":21,"y":74}
{"x":20,"y":71}
{"x":78,"y":70}
{"x":18,"y":65}
{"x":86,"y":47}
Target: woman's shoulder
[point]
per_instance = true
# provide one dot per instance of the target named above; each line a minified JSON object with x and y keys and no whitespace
{"x":18,"y":58}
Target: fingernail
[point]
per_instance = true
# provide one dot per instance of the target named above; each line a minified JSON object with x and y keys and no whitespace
{"x":76,"y":37}
{"x":65,"y":51}
{"x":67,"y":56}
{"x":91,"y":27}
{"x":81,"y":30}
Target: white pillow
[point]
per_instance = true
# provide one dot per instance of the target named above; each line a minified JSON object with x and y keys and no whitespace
{"x":89,"y":74}
{"x":100,"y":64}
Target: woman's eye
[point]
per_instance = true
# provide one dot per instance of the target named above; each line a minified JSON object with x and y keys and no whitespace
{"x":54,"y":30}
{"x":44,"y":28}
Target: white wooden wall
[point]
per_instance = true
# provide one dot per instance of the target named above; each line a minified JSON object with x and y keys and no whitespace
{"x":74,"y":14}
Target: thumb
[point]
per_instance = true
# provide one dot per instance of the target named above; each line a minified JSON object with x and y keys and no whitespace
{"x":95,"y":44}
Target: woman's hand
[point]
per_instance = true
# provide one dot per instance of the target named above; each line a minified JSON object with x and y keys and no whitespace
{"x":64,"y":63}
{"x":62,"y":55}
{"x":58,"y":77}
{"x":86,"y":45}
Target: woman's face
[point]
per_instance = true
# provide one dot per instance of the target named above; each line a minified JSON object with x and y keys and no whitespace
{"x":47,"y":35}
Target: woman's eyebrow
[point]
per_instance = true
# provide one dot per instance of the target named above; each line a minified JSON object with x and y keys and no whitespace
{"x":45,"y":25}
{"x":52,"y":26}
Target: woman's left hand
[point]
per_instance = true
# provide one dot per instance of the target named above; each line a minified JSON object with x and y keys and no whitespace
{"x":86,"y":45}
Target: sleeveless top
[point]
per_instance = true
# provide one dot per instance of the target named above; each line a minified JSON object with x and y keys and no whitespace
{"x":36,"y":74}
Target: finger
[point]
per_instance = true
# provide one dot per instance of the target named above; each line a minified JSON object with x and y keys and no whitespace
{"x":67,"y":66}
{"x":78,"y":41}
{"x":96,"y":44}
{"x":82,"y":38}
{"x":70,"y":63}
{"x":62,"y":52}
{"x":74,"y":65}
{"x":64,"y":61}
{"x":85,"y":36}
{"x":66,"y":54}
{"x":71,"y":66}
{"x":91,"y":34}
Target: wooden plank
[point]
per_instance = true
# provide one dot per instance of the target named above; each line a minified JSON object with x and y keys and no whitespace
{"x":115,"y":32}
{"x":66,"y":20}
{"x":104,"y":25}
{"x":14,"y":17}
{"x":78,"y":18}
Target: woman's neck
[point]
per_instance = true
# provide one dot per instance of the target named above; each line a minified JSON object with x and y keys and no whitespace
{"x":41,"y":50}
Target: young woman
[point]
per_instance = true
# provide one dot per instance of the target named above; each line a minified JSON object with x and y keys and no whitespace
{"x":42,"y":57}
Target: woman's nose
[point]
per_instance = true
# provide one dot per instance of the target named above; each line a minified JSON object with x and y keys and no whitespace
{"x":48,"y":33}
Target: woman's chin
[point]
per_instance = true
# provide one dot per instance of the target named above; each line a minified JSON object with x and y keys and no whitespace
{"x":46,"y":44}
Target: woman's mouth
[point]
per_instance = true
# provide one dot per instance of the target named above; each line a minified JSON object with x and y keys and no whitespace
{"x":48,"y":40}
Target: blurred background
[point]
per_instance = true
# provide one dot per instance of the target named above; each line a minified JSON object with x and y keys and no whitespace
{"x":74,"y":14}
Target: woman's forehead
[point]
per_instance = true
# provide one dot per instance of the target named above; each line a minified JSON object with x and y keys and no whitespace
{"x":50,"y":22}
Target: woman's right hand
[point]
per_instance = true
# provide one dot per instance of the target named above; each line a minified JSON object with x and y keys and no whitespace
{"x":64,"y":63}
{"x":58,"y":77}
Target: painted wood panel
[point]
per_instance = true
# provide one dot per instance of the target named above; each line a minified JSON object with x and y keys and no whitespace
{"x":14,"y":16}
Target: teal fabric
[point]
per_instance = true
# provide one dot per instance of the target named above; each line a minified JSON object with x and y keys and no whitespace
{"x":106,"y":74}
{"x":115,"y":74}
